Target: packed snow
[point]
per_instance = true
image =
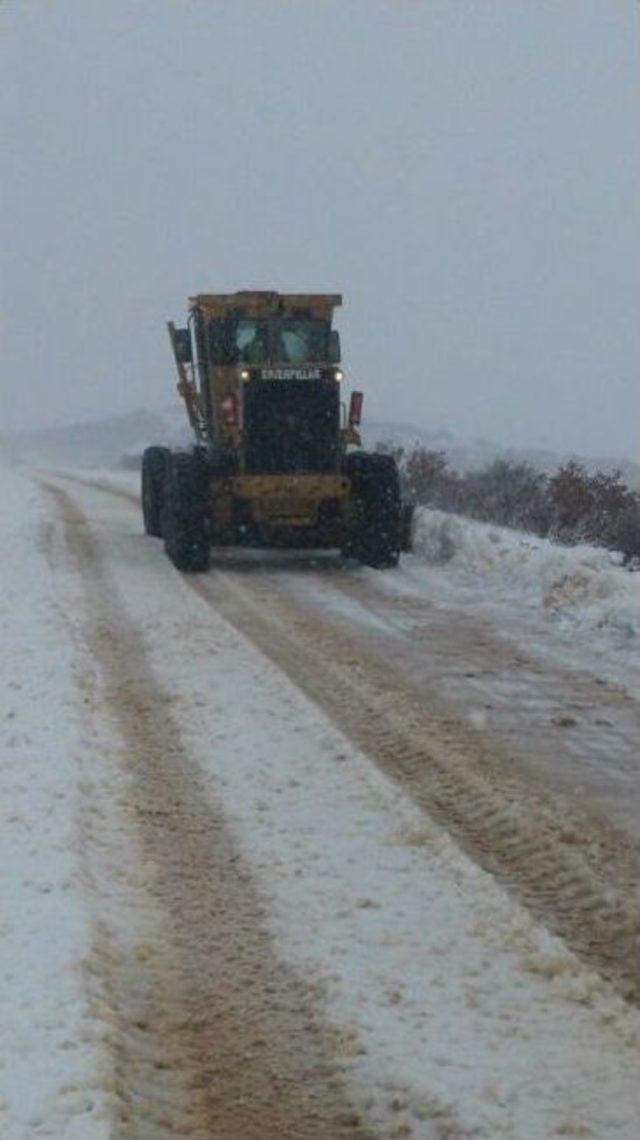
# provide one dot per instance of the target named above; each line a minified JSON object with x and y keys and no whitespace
{"x":52,"y":1068}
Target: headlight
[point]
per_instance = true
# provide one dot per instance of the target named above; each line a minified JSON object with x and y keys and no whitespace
{"x":245,"y":374}
{"x":338,"y":374}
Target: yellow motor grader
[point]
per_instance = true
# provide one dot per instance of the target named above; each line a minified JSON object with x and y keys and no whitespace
{"x":276,"y":459}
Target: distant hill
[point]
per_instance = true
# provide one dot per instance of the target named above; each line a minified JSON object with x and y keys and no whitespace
{"x":114,"y":442}
{"x":118,"y":441}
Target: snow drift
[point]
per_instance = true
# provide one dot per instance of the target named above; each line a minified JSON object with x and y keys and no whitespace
{"x":580,"y":588}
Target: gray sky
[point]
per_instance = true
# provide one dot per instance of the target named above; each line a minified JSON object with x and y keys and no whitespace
{"x":464,"y":172}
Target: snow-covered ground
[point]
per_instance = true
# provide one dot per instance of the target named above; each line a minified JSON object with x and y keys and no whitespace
{"x":52,"y":1067}
{"x":454,"y":1012}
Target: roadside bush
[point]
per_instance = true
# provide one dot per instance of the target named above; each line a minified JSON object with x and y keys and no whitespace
{"x":570,"y":506}
{"x":425,"y":472}
{"x":511,"y":494}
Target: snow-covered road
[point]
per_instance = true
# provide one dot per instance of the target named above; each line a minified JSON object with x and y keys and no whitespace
{"x":317,"y":852}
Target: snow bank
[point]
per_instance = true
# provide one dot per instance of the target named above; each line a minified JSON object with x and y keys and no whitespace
{"x":580,"y":588}
{"x":49,"y":1058}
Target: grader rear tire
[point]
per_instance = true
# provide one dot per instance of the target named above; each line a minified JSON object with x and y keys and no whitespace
{"x":184,"y":521}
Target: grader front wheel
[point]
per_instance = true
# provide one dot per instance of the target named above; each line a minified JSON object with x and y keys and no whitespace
{"x":376,"y":486}
{"x":154,"y":461}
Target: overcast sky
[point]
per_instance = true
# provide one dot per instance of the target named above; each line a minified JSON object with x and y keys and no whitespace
{"x":465,"y":173}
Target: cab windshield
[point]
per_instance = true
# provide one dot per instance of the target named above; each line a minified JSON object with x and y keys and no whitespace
{"x":251,"y":342}
{"x":301,"y":341}
{"x":276,"y":340}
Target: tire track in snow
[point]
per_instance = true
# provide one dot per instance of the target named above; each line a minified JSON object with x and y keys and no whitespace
{"x":534,"y":850}
{"x":565,"y":728}
{"x":210,"y":1035}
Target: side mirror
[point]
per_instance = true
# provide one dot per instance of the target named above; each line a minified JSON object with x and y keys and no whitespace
{"x":334,"y":347}
{"x":182,"y":346}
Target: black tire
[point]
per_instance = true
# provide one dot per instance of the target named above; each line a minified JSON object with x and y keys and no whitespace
{"x":184,"y":522}
{"x":406,"y":526}
{"x":376,"y":487}
{"x":154,"y":460}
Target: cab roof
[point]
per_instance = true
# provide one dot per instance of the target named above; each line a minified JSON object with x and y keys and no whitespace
{"x":262,"y":303}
